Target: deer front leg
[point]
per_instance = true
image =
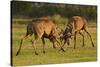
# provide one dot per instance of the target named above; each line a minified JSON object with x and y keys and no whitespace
{"x":59,"y":45}
{"x":43,"y":41}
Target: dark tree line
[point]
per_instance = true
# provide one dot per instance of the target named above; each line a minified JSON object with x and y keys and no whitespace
{"x":37,"y":9}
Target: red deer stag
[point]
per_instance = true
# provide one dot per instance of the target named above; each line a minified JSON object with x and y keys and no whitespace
{"x":74,"y":26}
{"x":41,"y":28}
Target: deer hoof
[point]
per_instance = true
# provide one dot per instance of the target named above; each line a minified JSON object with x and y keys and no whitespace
{"x":36,"y":53}
{"x":92,"y":45}
{"x":44,"y":52}
{"x":54,"y":47}
{"x":17,"y":53}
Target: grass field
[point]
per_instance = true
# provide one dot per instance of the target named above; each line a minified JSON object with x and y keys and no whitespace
{"x":52,"y":56}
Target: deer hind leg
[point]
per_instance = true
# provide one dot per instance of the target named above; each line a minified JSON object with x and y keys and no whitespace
{"x":34,"y":44}
{"x":83,"y":38}
{"x":90,"y":37}
{"x":37,"y":36}
{"x":26,"y":36}
{"x":43,"y":41}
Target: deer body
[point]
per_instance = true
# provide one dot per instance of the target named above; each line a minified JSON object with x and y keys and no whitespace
{"x":41,"y":28}
{"x":74,"y":26}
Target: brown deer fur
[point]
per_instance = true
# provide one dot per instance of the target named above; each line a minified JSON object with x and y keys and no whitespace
{"x":41,"y":28}
{"x":74,"y":26}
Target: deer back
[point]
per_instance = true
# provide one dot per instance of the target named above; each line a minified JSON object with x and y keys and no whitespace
{"x":45,"y":26}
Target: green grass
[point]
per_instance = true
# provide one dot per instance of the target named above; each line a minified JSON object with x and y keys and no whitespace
{"x":52,"y":56}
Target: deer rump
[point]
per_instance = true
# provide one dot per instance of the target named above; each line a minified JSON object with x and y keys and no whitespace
{"x":79,"y":23}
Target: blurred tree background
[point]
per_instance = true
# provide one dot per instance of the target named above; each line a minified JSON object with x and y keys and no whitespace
{"x":22,"y":9}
